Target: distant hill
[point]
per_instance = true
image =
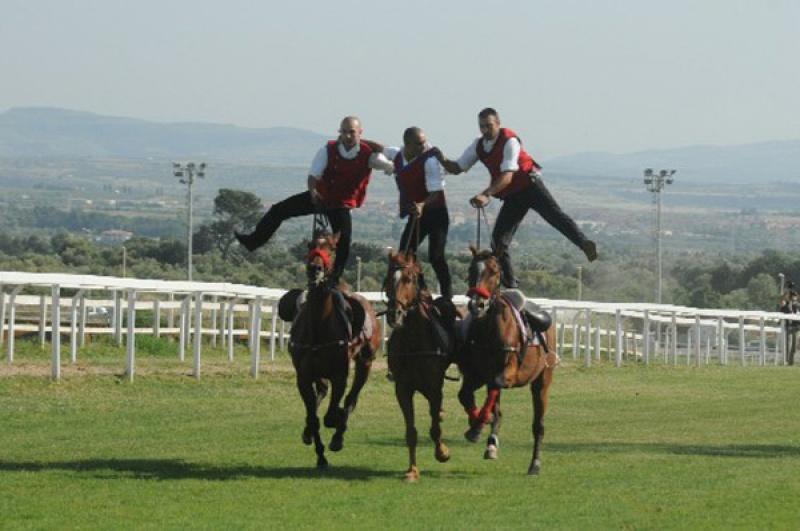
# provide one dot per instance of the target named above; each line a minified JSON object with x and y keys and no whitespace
{"x":49,"y":132}
{"x":766,"y":161}
{"x":59,"y":133}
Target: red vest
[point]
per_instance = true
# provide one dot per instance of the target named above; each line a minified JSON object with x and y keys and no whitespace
{"x":492,"y":160}
{"x":410,"y":181}
{"x":344,"y":182}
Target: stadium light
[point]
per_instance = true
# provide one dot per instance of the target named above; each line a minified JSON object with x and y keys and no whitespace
{"x":186,"y":174}
{"x":655,"y":183}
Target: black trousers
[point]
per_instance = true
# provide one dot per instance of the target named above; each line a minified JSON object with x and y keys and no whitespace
{"x":511,"y":214}
{"x":301,"y":205}
{"x":434,"y":225}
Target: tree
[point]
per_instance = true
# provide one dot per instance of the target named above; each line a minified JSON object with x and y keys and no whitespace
{"x":234,"y":210}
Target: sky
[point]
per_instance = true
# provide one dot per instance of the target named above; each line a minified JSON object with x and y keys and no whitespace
{"x":567,"y":75}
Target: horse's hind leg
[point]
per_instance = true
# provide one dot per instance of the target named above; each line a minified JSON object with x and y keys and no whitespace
{"x":343,"y":414}
{"x":362,"y":368}
{"x":539,"y":389}
{"x":311,"y":431}
{"x":493,"y":442}
{"x":405,"y":399}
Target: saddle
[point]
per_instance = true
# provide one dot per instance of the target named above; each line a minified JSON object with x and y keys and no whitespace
{"x":348,"y":309}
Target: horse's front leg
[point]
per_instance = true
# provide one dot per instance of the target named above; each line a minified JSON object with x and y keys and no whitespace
{"x":539,"y":391}
{"x":466,"y":397}
{"x":335,"y":416}
{"x":484,"y":415}
{"x":311,"y":431}
{"x":493,"y":442}
{"x":405,"y":399}
{"x":434,"y":396}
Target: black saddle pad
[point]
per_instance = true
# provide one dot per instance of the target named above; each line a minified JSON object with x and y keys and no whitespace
{"x":287,"y":305}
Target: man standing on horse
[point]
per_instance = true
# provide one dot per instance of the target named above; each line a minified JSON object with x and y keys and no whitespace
{"x":337,"y":183}
{"x":422,"y":201}
{"x":516,"y":180}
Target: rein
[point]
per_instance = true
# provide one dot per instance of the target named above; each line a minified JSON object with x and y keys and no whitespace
{"x":481,"y":212}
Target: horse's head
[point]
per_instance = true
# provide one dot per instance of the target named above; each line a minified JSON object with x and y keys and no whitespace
{"x":484,"y":279}
{"x":401,"y":286}
{"x":320,"y":257}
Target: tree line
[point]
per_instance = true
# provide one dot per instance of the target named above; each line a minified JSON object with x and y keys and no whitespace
{"x":699,"y":280}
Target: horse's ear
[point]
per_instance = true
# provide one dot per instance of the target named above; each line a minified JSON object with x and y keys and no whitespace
{"x":473,"y":250}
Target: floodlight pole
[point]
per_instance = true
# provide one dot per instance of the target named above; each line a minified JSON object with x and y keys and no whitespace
{"x":655,"y":183}
{"x":187,"y":172}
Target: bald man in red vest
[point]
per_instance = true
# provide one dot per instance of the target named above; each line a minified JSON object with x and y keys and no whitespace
{"x":515,"y":180}
{"x":337,"y":183}
{"x":421,"y":187}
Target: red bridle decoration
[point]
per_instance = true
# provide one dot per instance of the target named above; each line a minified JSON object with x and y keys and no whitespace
{"x":480,"y":292}
{"x":323,"y":255}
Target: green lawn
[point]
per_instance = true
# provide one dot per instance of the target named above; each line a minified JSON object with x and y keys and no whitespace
{"x":635,"y":447}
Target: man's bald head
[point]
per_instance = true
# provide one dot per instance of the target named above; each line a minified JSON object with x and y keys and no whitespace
{"x":350,"y":131}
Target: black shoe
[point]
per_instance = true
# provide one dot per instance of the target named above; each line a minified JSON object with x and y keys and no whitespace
{"x":590,"y":250}
{"x":246,"y":241}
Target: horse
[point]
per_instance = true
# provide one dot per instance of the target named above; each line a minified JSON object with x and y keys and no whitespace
{"x":419,"y":350}
{"x":330,"y":329}
{"x":497,"y":354}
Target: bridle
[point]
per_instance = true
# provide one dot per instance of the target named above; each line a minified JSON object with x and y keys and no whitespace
{"x":396,"y":310}
{"x":480,"y":298}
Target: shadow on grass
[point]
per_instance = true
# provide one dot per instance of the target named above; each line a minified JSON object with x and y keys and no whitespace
{"x":175,"y":469}
{"x":767,"y":451}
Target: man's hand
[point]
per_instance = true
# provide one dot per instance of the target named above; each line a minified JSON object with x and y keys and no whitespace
{"x":480,"y":200}
{"x":418,"y":207}
{"x":450,"y":166}
{"x":316,"y":197}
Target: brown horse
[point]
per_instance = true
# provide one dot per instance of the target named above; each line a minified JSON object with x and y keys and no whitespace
{"x":417,"y":359}
{"x":324,"y":339}
{"x":496,"y":354}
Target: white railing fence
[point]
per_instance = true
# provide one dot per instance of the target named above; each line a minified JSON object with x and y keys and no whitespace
{"x":77,"y":306}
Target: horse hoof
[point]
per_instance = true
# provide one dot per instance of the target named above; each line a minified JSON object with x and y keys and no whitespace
{"x":491,"y":452}
{"x":337,"y":443}
{"x":534,"y":468}
{"x":307,"y":439}
{"x":322,"y":463}
{"x":333,"y":417}
{"x":412,"y":476}
{"x":442,"y":454}
{"x":473,"y":434}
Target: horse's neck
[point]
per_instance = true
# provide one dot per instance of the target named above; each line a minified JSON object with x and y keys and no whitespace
{"x":320,"y":303}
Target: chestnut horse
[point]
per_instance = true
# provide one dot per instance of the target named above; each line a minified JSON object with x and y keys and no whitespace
{"x":417,"y":359}
{"x":323,"y":342}
{"x":496,"y":354}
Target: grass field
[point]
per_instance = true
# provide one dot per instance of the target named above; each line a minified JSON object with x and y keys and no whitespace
{"x":625,"y":448}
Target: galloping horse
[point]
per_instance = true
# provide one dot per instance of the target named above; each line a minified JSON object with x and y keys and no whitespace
{"x":419,"y":352}
{"x":498,"y":354}
{"x":326,"y":334}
